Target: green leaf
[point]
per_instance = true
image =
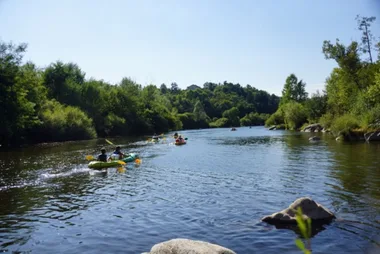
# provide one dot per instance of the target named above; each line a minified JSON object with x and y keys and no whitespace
{"x":309,"y":228}
{"x":300,"y":244}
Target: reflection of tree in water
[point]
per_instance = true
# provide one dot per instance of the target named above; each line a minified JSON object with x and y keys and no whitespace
{"x":356,"y":167}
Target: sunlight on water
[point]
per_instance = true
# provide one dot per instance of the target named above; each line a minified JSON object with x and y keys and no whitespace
{"x":215,"y":188}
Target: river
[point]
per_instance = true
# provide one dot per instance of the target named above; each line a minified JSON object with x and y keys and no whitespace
{"x":215,"y":188}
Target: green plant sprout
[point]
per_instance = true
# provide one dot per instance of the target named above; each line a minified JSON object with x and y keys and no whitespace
{"x":304,"y":226}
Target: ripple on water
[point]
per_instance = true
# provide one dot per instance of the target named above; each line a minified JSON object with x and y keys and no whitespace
{"x":216,"y":188}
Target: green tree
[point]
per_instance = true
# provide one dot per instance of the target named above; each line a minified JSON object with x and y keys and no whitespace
{"x":316,"y":106}
{"x":233,"y":116}
{"x":364,"y":24}
{"x":63,"y":82}
{"x":293,"y":90}
{"x":17,"y":102}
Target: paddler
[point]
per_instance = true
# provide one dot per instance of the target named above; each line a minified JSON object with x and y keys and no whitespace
{"x":103,"y":155}
{"x":117,"y":154}
{"x":179,"y":139}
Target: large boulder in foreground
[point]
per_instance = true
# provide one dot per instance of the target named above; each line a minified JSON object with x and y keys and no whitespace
{"x":186,"y":246}
{"x":310,"y":209}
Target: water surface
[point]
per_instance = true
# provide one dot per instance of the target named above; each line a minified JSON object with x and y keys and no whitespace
{"x":216,"y":188}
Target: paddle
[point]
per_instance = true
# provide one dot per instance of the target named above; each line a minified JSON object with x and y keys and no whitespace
{"x":109,"y":142}
{"x":91,"y":158}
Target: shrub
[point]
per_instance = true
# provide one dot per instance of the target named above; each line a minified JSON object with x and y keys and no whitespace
{"x":371,"y":118}
{"x":326,"y":120}
{"x":344,"y":124}
{"x":64,"y":123}
{"x":221,"y":122}
{"x":294,"y":115}
{"x":275,"y":119}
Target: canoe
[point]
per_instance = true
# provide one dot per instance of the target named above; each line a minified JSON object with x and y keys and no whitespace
{"x":102,"y":164}
{"x":179,"y":143}
{"x":131,"y":157}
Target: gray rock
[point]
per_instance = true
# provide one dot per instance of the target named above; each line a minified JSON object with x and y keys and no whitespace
{"x":310,"y":209}
{"x":273,"y":127}
{"x":314,"y":138}
{"x":186,"y":246}
{"x":372,"y":136}
{"x":313,"y":128}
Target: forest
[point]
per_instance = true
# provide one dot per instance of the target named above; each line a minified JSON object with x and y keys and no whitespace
{"x":351,"y":100}
{"x":58,"y":103}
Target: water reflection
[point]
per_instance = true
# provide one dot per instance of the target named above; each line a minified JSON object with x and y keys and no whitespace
{"x":216,"y":188}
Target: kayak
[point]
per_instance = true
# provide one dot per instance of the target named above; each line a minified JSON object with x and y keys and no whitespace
{"x":131,"y":157}
{"x":102,"y":164}
{"x":178,"y":143}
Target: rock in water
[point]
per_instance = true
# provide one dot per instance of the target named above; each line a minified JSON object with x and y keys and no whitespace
{"x":310,"y":209}
{"x":313,"y":128}
{"x":314,"y":138}
{"x":186,"y":246}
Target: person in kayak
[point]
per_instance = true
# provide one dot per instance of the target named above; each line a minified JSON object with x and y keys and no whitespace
{"x":117,"y":154}
{"x":179,"y":139}
{"x":175,"y":135}
{"x":103,"y":155}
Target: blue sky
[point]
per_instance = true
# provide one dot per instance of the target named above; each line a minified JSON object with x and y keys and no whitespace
{"x":189,"y":42}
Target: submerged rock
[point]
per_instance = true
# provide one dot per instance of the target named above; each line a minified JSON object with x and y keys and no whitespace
{"x":314,"y":138}
{"x":186,"y":246}
{"x":310,"y":209}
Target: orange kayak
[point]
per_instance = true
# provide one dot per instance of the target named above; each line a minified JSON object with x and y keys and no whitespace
{"x":178,"y":143}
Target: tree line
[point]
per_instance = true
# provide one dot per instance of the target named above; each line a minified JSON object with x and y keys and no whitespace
{"x":58,"y":103}
{"x":351,"y":99}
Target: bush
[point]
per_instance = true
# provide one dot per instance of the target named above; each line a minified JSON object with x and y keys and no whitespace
{"x":187,"y":120}
{"x":344,"y":124}
{"x":64,"y":123}
{"x":326,"y":120}
{"x":221,"y":122}
{"x":371,"y":118}
{"x":275,"y":119}
{"x":254,"y":119}
{"x":114,"y":124}
{"x":294,"y":115}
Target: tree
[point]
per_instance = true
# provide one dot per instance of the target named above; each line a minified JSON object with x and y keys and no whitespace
{"x":17,"y":111}
{"x":364,"y":23}
{"x":163,"y":88}
{"x":64,"y":81}
{"x":233,"y":116}
{"x":199,"y":112}
{"x":174,"y":88}
{"x":347,"y":58}
{"x":316,"y":106}
{"x":294,"y":90}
